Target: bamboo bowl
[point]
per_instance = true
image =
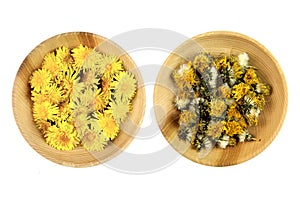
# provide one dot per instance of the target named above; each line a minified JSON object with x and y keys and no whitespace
{"x":270,"y":120}
{"x":22,"y":104}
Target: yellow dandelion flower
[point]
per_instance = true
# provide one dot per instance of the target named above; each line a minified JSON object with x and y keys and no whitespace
{"x":112,"y":65}
{"x":65,"y":112}
{"x":43,"y":126}
{"x":63,"y":57}
{"x":119,"y":110}
{"x":109,"y":126}
{"x":124,"y":86}
{"x":51,"y":93}
{"x":80,"y":54}
{"x":99,"y":101}
{"x":233,"y":128}
{"x":240,"y":90}
{"x":250,"y":77}
{"x":62,"y":136}
{"x":44,"y":111}
{"x":50,"y":64}
{"x":40,"y":79}
{"x":92,"y":140}
{"x":80,"y":121}
{"x":217,"y":107}
{"x":87,"y":80}
{"x":66,"y":82}
{"x":93,"y":62}
{"x":82,"y":103}
{"x":105,"y":92}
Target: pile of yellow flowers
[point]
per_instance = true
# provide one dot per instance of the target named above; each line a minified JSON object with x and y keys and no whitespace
{"x":81,"y":97}
{"x":219,"y":98}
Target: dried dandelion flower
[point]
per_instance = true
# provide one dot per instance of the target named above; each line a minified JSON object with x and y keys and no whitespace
{"x":215,"y":129}
{"x":233,"y":128}
{"x":219,"y":98}
{"x":217,"y":107}
{"x":62,"y":136}
{"x":251,"y":77}
{"x":240,"y":90}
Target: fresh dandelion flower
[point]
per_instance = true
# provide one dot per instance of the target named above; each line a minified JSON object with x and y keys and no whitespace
{"x":112,"y":65}
{"x":119,"y":110}
{"x":94,"y":63}
{"x":62,"y":136}
{"x":80,"y":54}
{"x":40,"y":79}
{"x":66,"y":81}
{"x":80,"y":97}
{"x":63,"y":57}
{"x":80,"y":121}
{"x":99,"y":101}
{"x":125,"y":86}
{"x":43,"y":126}
{"x":109,"y":126}
{"x":50,"y":64}
{"x":93,"y":141}
{"x":44,"y":111}
{"x":65,"y":112}
{"x":51,"y":93}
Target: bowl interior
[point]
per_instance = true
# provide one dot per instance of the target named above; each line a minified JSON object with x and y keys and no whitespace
{"x":22,"y":104}
{"x":270,"y":119}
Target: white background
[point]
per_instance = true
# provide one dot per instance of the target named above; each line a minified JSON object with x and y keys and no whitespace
{"x":274,"y":173}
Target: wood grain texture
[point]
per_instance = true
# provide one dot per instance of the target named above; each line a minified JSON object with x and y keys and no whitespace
{"x":22,"y":104}
{"x":270,"y":120}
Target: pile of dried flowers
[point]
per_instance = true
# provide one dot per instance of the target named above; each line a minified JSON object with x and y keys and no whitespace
{"x":218,"y":97}
{"x":80,"y":97}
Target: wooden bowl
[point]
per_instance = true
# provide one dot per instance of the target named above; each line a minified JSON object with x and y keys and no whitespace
{"x":22,"y":104}
{"x":270,"y":120}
